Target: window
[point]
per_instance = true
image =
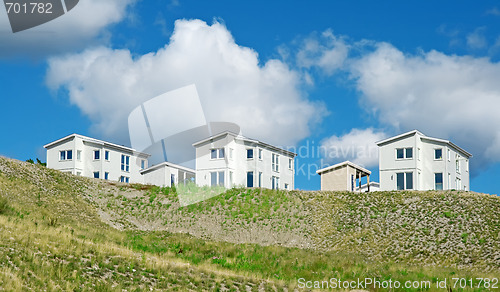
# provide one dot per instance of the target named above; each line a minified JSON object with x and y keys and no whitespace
{"x":275,"y":182}
{"x":217,"y":153}
{"x":290,"y":163}
{"x":96,"y":174}
{"x":250,"y":153}
{"x":438,"y":181}
{"x":409,"y":180}
{"x":449,"y":155}
{"x":458,"y":183}
{"x":275,"y":162}
{"x":438,"y":154}
{"x":404,"y":153}
{"x":125,"y":163}
{"x":419,"y":153}
{"x":467,"y":165}
{"x":449,"y":181}
{"x":260,"y":179}
{"x":124,"y":179}
{"x":221,"y":178}
{"x":66,"y":155}
{"x":400,"y":153}
{"x":286,"y":186}
{"x":213,"y":178}
{"x":78,"y":173}
{"x":404,"y":181}
{"x":106,"y":155}
{"x":250,"y":179}
{"x":409,"y":153}
{"x":457,"y":163}
{"x":260,"y":154}
{"x":172,"y":179}
{"x":97,"y":154}
{"x":143,"y":164}
{"x":231,"y":153}
{"x":79,"y":155}
{"x":230,"y":179}
{"x":106,"y":175}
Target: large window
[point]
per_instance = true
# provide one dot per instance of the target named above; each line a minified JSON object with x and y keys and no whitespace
{"x":217,"y":153}
{"x":275,"y":162}
{"x":275,"y":182}
{"x":125,"y":163}
{"x":217,"y":178}
{"x":250,"y":179}
{"x":97,"y":154}
{"x":438,"y":153}
{"x":404,"y":153}
{"x":438,"y":181}
{"x":404,"y":180}
{"x":250,"y":153}
{"x":66,"y":155}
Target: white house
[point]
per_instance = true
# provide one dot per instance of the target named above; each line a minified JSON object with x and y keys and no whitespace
{"x":166,"y":174}
{"x":413,"y":161}
{"x":90,"y":157}
{"x":229,"y":159}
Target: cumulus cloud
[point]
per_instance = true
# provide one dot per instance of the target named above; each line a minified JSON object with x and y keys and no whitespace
{"x":447,"y":96}
{"x":327,"y":52}
{"x":358,"y":146}
{"x":264,"y":100}
{"x":83,"y":25}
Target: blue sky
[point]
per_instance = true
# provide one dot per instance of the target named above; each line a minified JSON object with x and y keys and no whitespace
{"x":338,"y":74}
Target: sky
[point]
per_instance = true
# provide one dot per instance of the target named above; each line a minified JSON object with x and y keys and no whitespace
{"x":335,"y":75}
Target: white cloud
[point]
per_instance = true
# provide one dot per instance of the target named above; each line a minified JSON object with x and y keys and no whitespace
{"x":265,"y":101}
{"x":83,"y":25}
{"x":476,"y":39}
{"x":358,"y":146}
{"x":447,"y":96}
{"x":327,"y":53}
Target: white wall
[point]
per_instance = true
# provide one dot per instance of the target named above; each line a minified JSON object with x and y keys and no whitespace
{"x":239,"y":165}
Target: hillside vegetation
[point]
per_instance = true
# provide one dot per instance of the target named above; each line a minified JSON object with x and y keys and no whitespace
{"x":61,"y":232}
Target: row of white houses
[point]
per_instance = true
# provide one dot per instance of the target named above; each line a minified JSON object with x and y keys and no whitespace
{"x":410,"y":161}
{"x":226,"y":159}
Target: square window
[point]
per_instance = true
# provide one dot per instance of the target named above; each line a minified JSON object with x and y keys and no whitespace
{"x":409,"y":152}
{"x":249,"y":153}
{"x":438,"y":154}
{"x":400,"y":153}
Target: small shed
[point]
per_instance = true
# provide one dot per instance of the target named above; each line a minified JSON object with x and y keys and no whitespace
{"x":344,"y":176}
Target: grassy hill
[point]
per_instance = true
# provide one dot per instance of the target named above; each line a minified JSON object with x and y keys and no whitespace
{"x":61,"y":232}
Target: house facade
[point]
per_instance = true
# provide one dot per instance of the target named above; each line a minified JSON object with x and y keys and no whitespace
{"x":414,"y":161}
{"x":166,"y":174}
{"x":84,"y":156}
{"x":344,"y":176}
{"x":229,"y":159}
